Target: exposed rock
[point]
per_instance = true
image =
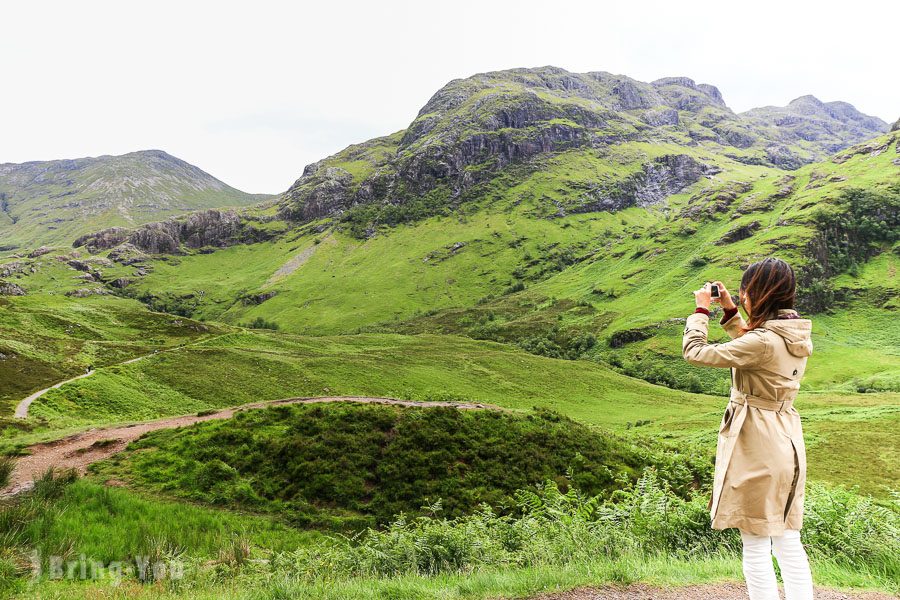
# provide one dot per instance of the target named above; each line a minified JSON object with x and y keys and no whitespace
{"x":472,"y":129}
{"x":783,"y":157}
{"x":218,"y":228}
{"x":873,"y":148}
{"x":85,"y":292}
{"x":661,"y":116}
{"x":657,"y":181}
{"x":741,"y":232}
{"x":79,"y":265}
{"x":10,"y":269}
{"x":126,"y":254}
{"x":11,"y":289}
{"x":254,"y":299}
{"x":102,"y":240}
{"x":786,"y":189}
{"x":40,"y":252}
{"x":829,"y":125}
{"x":896,"y":127}
{"x":120,"y":283}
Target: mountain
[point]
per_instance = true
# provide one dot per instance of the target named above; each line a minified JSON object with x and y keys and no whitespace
{"x":530,"y":242}
{"x":825,"y":125}
{"x":51,"y":203}
{"x":473,"y":128}
{"x":558,"y":212}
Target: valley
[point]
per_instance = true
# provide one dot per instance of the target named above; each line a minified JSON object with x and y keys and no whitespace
{"x":285,"y":374}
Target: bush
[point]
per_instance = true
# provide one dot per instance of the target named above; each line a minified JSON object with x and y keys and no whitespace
{"x":552,"y":527}
{"x":315,"y":462}
{"x":261,"y":323}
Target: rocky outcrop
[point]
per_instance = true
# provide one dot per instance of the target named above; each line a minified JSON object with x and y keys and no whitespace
{"x":658,"y":180}
{"x":472,"y":129}
{"x":738,"y":233}
{"x":210,"y":228}
{"x":10,"y":269}
{"x":829,"y":126}
{"x":86,"y":292}
{"x":872,"y":148}
{"x":127,"y":254}
{"x":255,"y":299}
{"x":40,"y":252}
{"x":11,"y":289}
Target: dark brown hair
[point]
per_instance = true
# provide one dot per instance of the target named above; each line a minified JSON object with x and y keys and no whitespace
{"x":771,"y":286}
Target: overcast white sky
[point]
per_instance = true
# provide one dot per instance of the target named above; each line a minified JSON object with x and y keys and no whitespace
{"x":252,"y":91}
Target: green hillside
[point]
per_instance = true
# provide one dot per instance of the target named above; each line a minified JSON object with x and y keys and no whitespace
{"x":364,"y":464}
{"x":52,"y":203}
{"x":529,"y":242}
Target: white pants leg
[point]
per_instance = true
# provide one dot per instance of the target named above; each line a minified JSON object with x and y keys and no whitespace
{"x":794,"y":566}
{"x":758,"y":569}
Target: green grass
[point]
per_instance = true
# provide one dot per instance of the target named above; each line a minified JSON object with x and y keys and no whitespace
{"x":48,"y":338}
{"x":248,"y":367}
{"x":483,"y":584}
{"x":353,"y":465}
{"x":252,"y":366}
{"x":109,"y":523}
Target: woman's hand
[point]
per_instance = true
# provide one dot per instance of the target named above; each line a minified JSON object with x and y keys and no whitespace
{"x":703,"y":296}
{"x":725,"y":299}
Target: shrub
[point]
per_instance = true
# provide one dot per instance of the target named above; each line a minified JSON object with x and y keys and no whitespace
{"x":552,"y":527}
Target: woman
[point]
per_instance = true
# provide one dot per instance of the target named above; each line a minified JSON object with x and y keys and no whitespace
{"x":760,"y":457}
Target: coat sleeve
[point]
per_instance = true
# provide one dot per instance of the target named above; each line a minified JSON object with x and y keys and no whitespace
{"x":748,"y":350}
{"x":734,"y":326}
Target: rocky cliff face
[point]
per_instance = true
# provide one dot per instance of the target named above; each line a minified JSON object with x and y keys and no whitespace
{"x":211,"y":228}
{"x":832,"y":126}
{"x":473,"y":128}
{"x":54,"y":202}
{"x":657,"y":181}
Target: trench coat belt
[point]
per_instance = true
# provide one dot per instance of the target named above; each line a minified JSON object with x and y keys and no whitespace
{"x":764,"y":403}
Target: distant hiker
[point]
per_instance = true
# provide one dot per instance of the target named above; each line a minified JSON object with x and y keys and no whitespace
{"x":760,"y":457}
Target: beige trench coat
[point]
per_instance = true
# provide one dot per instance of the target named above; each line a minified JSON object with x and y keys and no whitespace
{"x":760,"y":456}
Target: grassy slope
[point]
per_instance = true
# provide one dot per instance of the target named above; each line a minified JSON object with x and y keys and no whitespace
{"x":48,"y":338}
{"x":635,"y":268}
{"x":850,"y":434}
{"x":354,"y":465}
{"x":52,"y":204}
{"x":632,"y":268}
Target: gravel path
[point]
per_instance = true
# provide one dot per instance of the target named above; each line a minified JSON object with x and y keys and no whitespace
{"x":726,"y":591}
{"x":23,"y":406}
{"x":80,"y":450}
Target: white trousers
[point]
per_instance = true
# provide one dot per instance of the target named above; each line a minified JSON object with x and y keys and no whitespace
{"x":760,"y":573}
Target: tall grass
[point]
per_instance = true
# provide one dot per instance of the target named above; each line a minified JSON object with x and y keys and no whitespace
{"x":556,"y":529}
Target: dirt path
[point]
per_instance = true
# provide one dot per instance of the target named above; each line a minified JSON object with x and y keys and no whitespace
{"x":726,"y":591}
{"x":80,"y":450}
{"x":23,"y":406}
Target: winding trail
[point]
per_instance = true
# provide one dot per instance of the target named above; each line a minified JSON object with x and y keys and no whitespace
{"x":82,"y":449}
{"x":23,"y":406}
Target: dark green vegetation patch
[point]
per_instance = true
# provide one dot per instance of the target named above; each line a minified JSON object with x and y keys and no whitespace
{"x":366,"y":463}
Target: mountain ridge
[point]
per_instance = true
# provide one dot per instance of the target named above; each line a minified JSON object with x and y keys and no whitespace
{"x":472,"y":129}
{"x":53,"y":202}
